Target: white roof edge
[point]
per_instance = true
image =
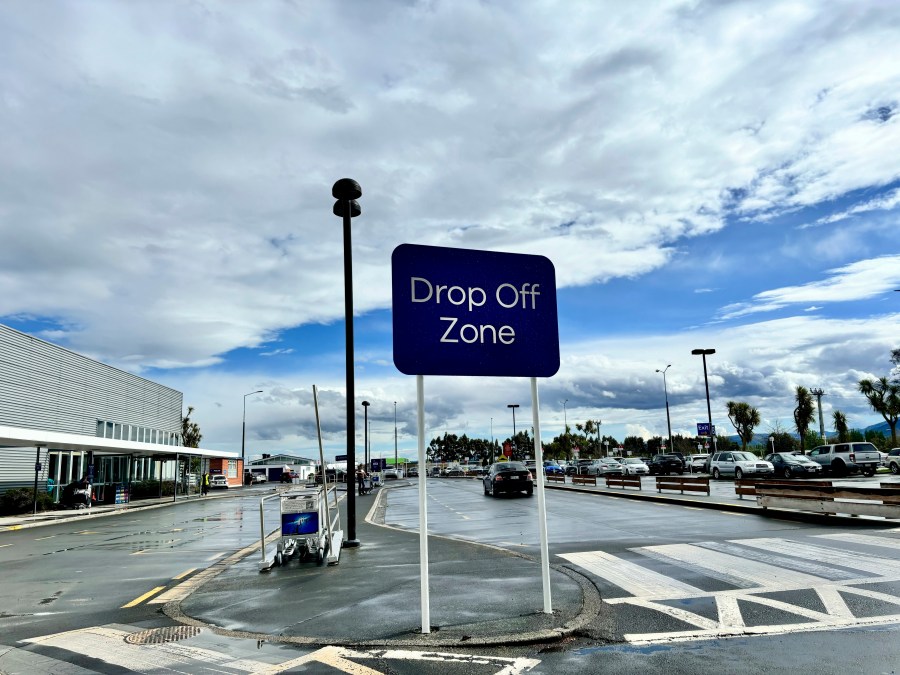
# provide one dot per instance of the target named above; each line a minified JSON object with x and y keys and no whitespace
{"x":55,"y":440}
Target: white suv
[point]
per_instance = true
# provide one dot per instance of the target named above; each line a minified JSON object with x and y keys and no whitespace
{"x":739,"y":464}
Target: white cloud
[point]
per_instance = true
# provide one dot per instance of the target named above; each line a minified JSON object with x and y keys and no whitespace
{"x":862,"y":279}
{"x":188,"y":193}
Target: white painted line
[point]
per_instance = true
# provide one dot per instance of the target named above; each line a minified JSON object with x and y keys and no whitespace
{"x":675,"y":612}
{"x":729,"y":612}
{"x":834,"y":603}
{"x":860,"y":561}
{"x":733,"y":569}
{"x":215,"y":557}
{"x":5,"y":545}
{"x":867,"y":539}
{"x":42,"y":538}
{"x":639,"y":581}
{"x":768,"y":557}
{"x":184,"y":574}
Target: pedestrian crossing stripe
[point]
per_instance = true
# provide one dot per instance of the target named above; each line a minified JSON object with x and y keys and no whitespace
{"x":758,"y":568}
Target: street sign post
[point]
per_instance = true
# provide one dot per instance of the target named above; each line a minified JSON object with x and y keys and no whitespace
{"x":477,"y":313}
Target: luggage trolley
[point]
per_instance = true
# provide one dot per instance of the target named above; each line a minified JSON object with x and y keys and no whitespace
{"x":303,"y":525}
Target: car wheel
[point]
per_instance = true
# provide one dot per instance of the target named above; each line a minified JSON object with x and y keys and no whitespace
{"x":868,"y":473}
{"x":716,"y":473}
{"x":895,"y":468}
{"x":839,"y":468}
{"x":787,"y":472}
{"x":279,"y":559}
{"x":738,"y":474}
{"x":529,"y":492}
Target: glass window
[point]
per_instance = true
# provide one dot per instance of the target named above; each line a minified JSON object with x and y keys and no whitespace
{"x":100,"y":427}
{"x":232,"y":468}
{"x":109,"y":430}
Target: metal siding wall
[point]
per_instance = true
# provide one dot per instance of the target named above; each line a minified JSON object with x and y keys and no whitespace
{"x":17,"y":468}
{"x":44,"y":386}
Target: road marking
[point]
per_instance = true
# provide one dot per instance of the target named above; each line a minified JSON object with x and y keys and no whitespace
{"x":5,"y":545}
{"x":146,"y":595}
{"x":639,"y":581}
{"x":867,"y":539}
{"x":184,"y":574}
{"x":215,"y":557}
{"x":867,"y":563}
{"x":42,"y":538}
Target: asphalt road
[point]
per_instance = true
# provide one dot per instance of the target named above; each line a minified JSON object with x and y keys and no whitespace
{"x":823,"y":598}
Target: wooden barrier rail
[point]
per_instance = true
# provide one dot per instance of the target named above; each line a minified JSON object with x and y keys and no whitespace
{"x":584,"y":480}
{"x":623,"y":481}
{"x":682,"y":483}
{"x":747,"y":486}
{"x":867,"y":501}
{"x":555,"y":478}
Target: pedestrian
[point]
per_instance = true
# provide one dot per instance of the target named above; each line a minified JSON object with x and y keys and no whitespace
{"x":360,"y":477}
{"x":51,"y":486}
{"x":204,"y":490}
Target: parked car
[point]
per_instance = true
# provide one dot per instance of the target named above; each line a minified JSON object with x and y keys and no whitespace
{"x":633,"y":466}
{"x":893,"y":460}
{"x":842,"y":459}
{"x":508,"y":477}
{"x":604,"y":467}
{"x":665,"y":464}
{"x":393,"y":474}
{"x":289,"y":476}
{"x":218,"y":481}
{"x":581,"y":465}
{"x":258,"y":477}
{"x":789,"y":465}
{"x":739,"y":463}
{"x":412,"y":473}
{"x":454,"y":472}
{"x":697,"y":463}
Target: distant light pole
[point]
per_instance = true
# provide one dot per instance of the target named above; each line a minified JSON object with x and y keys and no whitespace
{"x":492,"y":440}
{"x":606,"y":445}
{"x":772,"y":441}
{"x":365,"y":405}
{"x":395,"y":435}
{"x":703,"y":353}
{"x":513,"y":406}
{"x":566,"y":426}
{"x":244,"y":427}
{"x":818,"y":392}
{"x":346,"y":191}
{"x":666,"y":390}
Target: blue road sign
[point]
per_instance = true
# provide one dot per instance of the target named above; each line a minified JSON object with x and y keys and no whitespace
{"x":703,"y":429}
{"x":467,"y":312}
{"x":377,"y":464}
{"x":340,"y":458}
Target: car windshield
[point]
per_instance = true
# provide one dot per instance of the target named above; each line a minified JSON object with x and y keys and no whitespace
{"x":632,"y":460}
{"x":744,"y":457}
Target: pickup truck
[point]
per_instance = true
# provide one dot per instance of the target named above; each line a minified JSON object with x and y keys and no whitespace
{"x":842,"y":459}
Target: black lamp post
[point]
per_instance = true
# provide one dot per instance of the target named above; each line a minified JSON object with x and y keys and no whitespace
{"x":668,"y":419}
{"x":244,"y":428}
{"x":514,"y":406}
{"x":346,"y":191}
{"x":703,"y":353}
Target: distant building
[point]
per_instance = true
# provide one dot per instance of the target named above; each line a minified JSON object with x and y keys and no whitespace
{"x":273,"y":466}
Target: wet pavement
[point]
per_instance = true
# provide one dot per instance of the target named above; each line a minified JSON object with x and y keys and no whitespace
{"x":480,"y":595}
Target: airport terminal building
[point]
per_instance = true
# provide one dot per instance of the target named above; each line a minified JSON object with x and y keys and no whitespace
{"x":66,"y":416}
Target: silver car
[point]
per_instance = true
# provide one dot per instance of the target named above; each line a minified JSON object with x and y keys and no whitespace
{"x":633,"y":466}
{"x":739,"y":463}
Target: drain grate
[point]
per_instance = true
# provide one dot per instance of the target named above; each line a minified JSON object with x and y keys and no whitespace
{"x":158,"y":636}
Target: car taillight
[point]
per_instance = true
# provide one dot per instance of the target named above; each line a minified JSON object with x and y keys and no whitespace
{"x":530,"y":477}
{"x":498,"y":477}
{"x":852,"y":457}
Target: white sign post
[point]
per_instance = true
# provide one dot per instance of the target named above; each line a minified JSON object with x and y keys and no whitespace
{"x":481,"y":313}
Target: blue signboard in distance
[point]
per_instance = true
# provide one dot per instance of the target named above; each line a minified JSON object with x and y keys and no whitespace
{"x":469,"y":312}
{"x":703,"y":429}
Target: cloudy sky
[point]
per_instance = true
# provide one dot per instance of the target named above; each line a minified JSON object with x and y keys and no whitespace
{"x":701,"y":174}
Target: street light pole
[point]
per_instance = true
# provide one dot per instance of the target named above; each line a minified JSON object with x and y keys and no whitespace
{"x":566,"y":426}
{"x":395,"y":436}
{"x":346,"y":191}
{"x":244,"y":430}
{"x":668,"y":419}
{"x":513,"y":406}
{"x":703,"y":353}
{"x":492,"y":440}
{"x":772,"y":441}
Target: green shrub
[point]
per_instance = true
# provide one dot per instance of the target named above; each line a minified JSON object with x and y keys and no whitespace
{"x":21,"y":500}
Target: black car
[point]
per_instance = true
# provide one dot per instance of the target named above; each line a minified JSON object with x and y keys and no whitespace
{"x":789,"y":465}
{"x":665,"y":464}
{"x":508,"y":477}
{"x":412,"y":473}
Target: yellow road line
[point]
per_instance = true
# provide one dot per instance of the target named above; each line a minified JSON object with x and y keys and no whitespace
{"x":146,"y":595}
{"x":42,"y":538}
{"x":184,"y":574}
